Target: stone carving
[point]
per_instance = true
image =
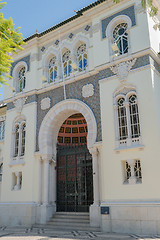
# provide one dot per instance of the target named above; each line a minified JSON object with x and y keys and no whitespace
{"x":45,"y":103}
{"x":19,"y":103}
{"x":87,"y":90}
{"x":122,"y":69}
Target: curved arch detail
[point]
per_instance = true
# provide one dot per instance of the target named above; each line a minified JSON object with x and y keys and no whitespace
{"x":56,"y":116}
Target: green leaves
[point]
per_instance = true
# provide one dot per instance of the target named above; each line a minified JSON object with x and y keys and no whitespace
{"x":10,"y":41}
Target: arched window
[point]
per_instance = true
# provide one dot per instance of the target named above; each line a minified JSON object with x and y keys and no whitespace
{"x":82,"y":57}
{"x":134,"y":116}
{"x":127,"y":120}
{"x":67,"y":63}
{"x":21,"y":80}
{"x":52,"y":70}
{"x":120,"y":36}
{"x":1,"y":171}
{"x":122,"y":119}
{"x":19,"y":139}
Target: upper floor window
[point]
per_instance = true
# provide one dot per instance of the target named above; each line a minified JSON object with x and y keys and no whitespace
{"x":67,"y":68}
{"x":127,"y":119}
{"x":2,"y":129}
{"x":19,"y":139}
{"x":52,"y":70}
{"x":120,"y":36}
{"x":82,"y":57}
{"x":1,"y":171}
{"x":21,"y":80}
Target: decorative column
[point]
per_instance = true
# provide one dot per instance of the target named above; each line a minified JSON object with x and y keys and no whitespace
{"x":132,"y":179}
{"x":95,"y":208}
{"x":46,"y":182}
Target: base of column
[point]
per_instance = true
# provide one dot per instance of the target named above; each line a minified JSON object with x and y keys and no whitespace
{"x":45,"y":213}
{"x":94,"y":213}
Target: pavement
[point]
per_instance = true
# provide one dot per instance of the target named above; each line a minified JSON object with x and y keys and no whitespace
{"x":22,"y":233}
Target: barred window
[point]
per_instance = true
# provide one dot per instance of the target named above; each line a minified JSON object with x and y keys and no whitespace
{"x":67,"y":63}
{"x":120,"y":36}
{"x":82,"y":57}
{"x":1,"y":171}
{"x":134,"y":116}
{"x":122,"y":119}
{"x":52,"y":70}
{"x":22,"y":80}
{"x":19,"y":138}
{"x":2,"y":129}
{"x":132,"y":171}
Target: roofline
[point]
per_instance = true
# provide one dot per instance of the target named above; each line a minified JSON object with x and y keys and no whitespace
{"x":79,"y":13}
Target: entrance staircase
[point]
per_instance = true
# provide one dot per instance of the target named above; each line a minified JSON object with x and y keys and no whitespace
{"x":70,"y":222}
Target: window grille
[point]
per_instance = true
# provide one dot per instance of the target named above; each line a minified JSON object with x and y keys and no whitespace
{"x":68,"y":130}
{"x":133,"y":171}
{"x":74,"y":130}
{"x":74,"y":139}
{"x":2,"y":129}
{"x":122,"y":119}
{"x":134,"y":116}
{"x":82,"y":57}
{"x":1,"y":171}
{"x":67,"y":140}
{"x":120,"y":36}
{"x":23,"y":139}
{"x":67,"y":63}
{"x":22,"y":79}
{"x":52,"y":70}
{"x":137,"y":170}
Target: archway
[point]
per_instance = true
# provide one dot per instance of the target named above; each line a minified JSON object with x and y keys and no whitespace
{"x":74,"y":166}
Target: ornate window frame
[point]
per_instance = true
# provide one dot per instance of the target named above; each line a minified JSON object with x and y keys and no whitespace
{"x":128,"y":140}
{"x":16,"y":80}
{"x":18,"y":141}
{"x":109,"y":33}
{"x":51,"y":52}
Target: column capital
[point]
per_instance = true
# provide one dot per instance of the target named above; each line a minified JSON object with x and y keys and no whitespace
{"x":93,"y":151}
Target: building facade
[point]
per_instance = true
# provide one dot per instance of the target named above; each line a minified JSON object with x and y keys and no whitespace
{"x":82,"y":128}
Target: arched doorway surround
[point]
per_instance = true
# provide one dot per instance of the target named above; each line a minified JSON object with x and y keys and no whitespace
{"x":48,"y":140}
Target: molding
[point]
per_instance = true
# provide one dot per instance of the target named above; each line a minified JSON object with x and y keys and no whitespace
{"x":132,"y":147}
{"x":131,"y":203}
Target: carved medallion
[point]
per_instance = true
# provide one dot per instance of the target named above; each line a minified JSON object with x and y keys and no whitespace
{"x":19,"y":103}
{"x":122,"y":69}
{"x":45,"y":103}
{"x":87,"y":90}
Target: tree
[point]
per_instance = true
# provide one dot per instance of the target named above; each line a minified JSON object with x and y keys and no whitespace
{"x":147,"y":4}
{"x":10,"y":41}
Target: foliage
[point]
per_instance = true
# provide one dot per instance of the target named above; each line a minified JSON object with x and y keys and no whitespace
{"x":10,"y":41}
{"x":149,"y":5}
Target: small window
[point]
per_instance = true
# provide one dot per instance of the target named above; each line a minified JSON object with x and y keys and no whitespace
{"x":120,"y":36}
{"x":60,"y":139}
{"x":75,"y":130}
{"x":83,"y":139}
{"x":67,"y":140}
{"x":132,"y":171}
{"x":22,"y":80}
{"x":61,"y":130}
{"x":74,"y":139}
{"x":67,"y":63}
{"x":1,"y":171}
{"x":74,"y":122}
{"x":68,"y":130}
{"x":52,"y":70}
{"x":19,"y":139}
{"x":82,"y":57}
{"x":2,"y":129}
{"x":81,"y":129}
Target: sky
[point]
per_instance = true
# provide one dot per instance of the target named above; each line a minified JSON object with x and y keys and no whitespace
{"x":32,"y":15}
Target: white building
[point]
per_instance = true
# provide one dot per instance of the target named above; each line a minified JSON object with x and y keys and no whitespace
{"x":101,"y":81}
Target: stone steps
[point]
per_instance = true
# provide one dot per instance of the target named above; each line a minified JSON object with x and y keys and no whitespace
{"x":69,"y":222}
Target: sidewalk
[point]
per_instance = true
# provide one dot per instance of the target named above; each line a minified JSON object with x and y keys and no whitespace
{"x":21,"y":233}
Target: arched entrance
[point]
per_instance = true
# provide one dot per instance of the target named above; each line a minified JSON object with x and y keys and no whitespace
{"x":48,"y":151}
{"x":74,"y":166}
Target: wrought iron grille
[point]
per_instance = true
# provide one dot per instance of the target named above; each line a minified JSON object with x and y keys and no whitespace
{"x":74,"y":179}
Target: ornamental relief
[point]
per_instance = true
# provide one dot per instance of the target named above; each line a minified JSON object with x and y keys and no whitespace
{"x":88,"y":90}
{"x":19,"y":103}
{"x":122,"y":69}
{"x":45,"y":103}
